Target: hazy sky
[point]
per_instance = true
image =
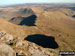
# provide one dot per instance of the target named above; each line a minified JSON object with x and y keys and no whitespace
{"x":9,"y":2}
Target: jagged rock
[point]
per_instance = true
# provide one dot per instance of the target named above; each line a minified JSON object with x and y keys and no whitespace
{"x":6,"y":50}
{"x":21,"y":53}
{"x":7,"y":37}
{"x":19,"y":42}
{"x":35,"y":51}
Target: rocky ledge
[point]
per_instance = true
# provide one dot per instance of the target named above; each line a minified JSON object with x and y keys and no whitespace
{"x":21,"y":47}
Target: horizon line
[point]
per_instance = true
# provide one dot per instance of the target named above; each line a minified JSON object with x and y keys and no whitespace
{"x":40,"y":3}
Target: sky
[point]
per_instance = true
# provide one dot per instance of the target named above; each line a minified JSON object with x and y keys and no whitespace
{"x":10,"y":2}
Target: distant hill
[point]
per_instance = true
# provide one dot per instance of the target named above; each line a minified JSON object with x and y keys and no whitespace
{"x":9,"y":13}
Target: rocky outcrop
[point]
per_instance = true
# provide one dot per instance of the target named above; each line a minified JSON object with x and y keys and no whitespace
{"x":28,"y":21}
{"x":6,"y":37}
{"x":22,"y":47}
{"x":26,"y":11}
{"x":34,"y":51}
{"x":19,"y":42}
{"x":31,"y":49}
{"x":6,"y":50}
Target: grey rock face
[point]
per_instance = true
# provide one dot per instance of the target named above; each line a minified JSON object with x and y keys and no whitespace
{"x":19,"y":42}
{"x":34,"y":51}
{"x":6,"y":50}
{"x":7,"y":37}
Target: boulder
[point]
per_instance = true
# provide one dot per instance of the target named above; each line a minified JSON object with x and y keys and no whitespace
{"x":6,"y":50}
{"x":7,"y":37}
{"x":19,"y":42}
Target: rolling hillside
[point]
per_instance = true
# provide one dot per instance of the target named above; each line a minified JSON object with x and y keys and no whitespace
{"x":37,"y":22}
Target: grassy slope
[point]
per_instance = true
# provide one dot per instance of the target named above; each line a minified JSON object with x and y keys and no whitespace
{"x":59,"y":25}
